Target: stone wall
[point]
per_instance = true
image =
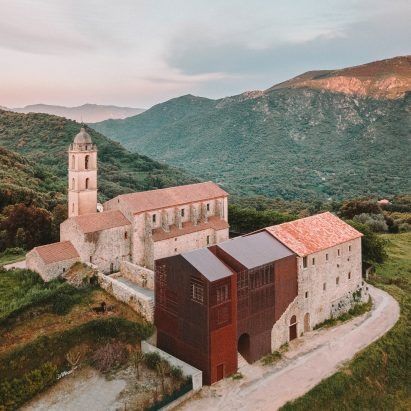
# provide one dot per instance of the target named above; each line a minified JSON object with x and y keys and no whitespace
{"x":326,"y":287}
{"x":141,"y":276}
{"x":188,"y":370}
{"x":106,"y":248}
{"x":138,"y":301}
{"x":50,"y":271}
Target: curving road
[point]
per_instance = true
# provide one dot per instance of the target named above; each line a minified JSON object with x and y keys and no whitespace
{"x":309,"y":360}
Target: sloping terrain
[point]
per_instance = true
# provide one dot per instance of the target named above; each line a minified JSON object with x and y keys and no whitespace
{"x":40,"y":166}
{"x":290,"y":142}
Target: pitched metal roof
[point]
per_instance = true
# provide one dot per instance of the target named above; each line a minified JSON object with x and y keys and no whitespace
{"x":206,"y":263}
{"x":312,"y":234}
{"x":90,"y":223}
{"x":52,"y":253}
{"x":172,"y":196}
{"x":255,"y":250}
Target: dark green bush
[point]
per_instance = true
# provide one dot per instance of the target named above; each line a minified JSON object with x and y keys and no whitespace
{"x":152,"y":359}
{"x":17,"y":391}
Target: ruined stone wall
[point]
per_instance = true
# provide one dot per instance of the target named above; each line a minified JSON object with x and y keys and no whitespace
{"x":137,"y":274}
{"x":50,"y":271}
{"x":106,"y":248}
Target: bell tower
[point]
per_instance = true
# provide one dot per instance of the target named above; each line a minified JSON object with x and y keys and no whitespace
{"x":82,"y":175}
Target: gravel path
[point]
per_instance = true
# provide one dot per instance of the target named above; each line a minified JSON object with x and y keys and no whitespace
{"x":309,"y":360}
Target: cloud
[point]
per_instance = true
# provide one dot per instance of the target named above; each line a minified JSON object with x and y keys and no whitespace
{"x":356,"y":43}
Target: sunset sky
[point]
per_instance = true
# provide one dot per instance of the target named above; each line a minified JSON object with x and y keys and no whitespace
{"x":139,"y":53}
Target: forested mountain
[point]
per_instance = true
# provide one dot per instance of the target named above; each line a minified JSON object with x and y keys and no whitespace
{"x":88,"y":113}
{"x":39,"y":170}
{"x":294,"y":141}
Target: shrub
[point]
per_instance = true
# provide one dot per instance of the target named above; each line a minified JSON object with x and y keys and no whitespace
{"x":109,"y":356}
{"x":176,"y":372}
{"x":152,"y":359}
{"x":17,"y":391}
{"x":271,"y":358}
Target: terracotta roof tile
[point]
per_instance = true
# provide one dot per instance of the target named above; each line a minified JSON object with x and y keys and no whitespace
{"x":312,"y":234}
{"x":90,"y":223}
{"x":215,"y":223}
{"x":52,"y":253}
{"x":173,"y":196}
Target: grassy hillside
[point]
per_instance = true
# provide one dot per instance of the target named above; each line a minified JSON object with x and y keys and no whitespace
{"x":40,"y":171}
{"x":292,"y":143}
{"x":379,"y":377}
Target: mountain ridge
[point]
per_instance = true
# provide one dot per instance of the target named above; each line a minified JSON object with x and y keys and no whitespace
{"x":287,"y":142}
{"x":88,"y":113}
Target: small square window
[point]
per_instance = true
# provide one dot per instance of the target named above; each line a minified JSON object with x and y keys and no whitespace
{"x":349,"y":276}
{"x":337,"y":281}
{"x":208,"y":240}
{"x":349,"y":248}
{"x":326,"y":257}
{"x":324,"y":286}
{"x":306,"y":294}
{"x":313,"y":261}
{"x":154,"y":218}
{"x":175,"y":250}
{"x":305,"y":262}
{"x":338,"y":252}
{"x":208,"y":206}
{"x":182,"y":212}
{"x":175,"y":238}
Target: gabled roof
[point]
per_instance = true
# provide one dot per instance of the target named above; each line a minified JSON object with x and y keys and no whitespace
{"x":170,"y":197}
{"x":52,"y":253}
{"x":312,"y":234}
{"x":255,"y":250}
{"x":207,"y":264}
{"x":188,"y":227}
{"x":90,"y":223}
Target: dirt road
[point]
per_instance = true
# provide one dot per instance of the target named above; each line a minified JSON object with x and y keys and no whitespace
{"x":309,"y":360}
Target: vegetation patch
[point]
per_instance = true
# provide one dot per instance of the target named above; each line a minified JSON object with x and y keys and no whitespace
{"x":272,"y":358}
{"x":378,"y":378}
{"x":355,"y":311}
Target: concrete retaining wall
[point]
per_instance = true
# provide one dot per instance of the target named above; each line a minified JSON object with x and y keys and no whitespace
{"x":189,"y":371}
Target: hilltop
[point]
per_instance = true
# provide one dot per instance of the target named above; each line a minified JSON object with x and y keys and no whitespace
{"x":33,"y":166}
{"x":89,"y":113}
{"x":390,"y":78}
{"x":304,"y":143}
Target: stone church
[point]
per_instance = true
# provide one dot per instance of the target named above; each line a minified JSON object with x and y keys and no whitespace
{"x":137,"y":228}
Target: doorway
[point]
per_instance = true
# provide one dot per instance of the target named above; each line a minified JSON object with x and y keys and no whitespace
{"x":293,"y":328}
{"x":220,"y":372}
{"x":307,"y":322}
{"x":244,"y":346}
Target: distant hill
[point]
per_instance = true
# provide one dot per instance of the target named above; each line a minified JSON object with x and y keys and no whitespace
{"x":39,"y":168}
{"x":88,"y":113}
{"x":292,"y":142}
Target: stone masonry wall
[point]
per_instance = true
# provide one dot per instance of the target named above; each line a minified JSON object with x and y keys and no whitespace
{"x":141,"y":276}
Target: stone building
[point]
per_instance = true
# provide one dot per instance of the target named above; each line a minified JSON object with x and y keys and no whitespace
{"x":138,"y":227}
{"x":288,"y":278}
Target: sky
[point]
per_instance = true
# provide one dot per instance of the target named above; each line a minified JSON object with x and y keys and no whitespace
{"x":138,"y":53}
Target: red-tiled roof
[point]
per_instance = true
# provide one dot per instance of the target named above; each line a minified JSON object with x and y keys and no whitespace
{"x":90,"y":223}
{"x":173,"y":196}
{"x":215,"y":223}
{"x":52,"y":253}
{"x":312,"y":234}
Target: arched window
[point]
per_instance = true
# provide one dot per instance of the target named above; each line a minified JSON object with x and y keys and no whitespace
{"x":73,"y":161}
{"x":87,"y":180}
{"x":73,"y":184}
{"x":72,"y":208}
{"x":86,"y":162}
{"x":293,"y":327}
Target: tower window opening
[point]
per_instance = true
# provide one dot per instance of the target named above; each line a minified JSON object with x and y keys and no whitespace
{"x":87,"y":183}
{"x":72,"y":207}
{"x":86,"y":162}
{"x":73,"y":161}
{"x":73,"y":184}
